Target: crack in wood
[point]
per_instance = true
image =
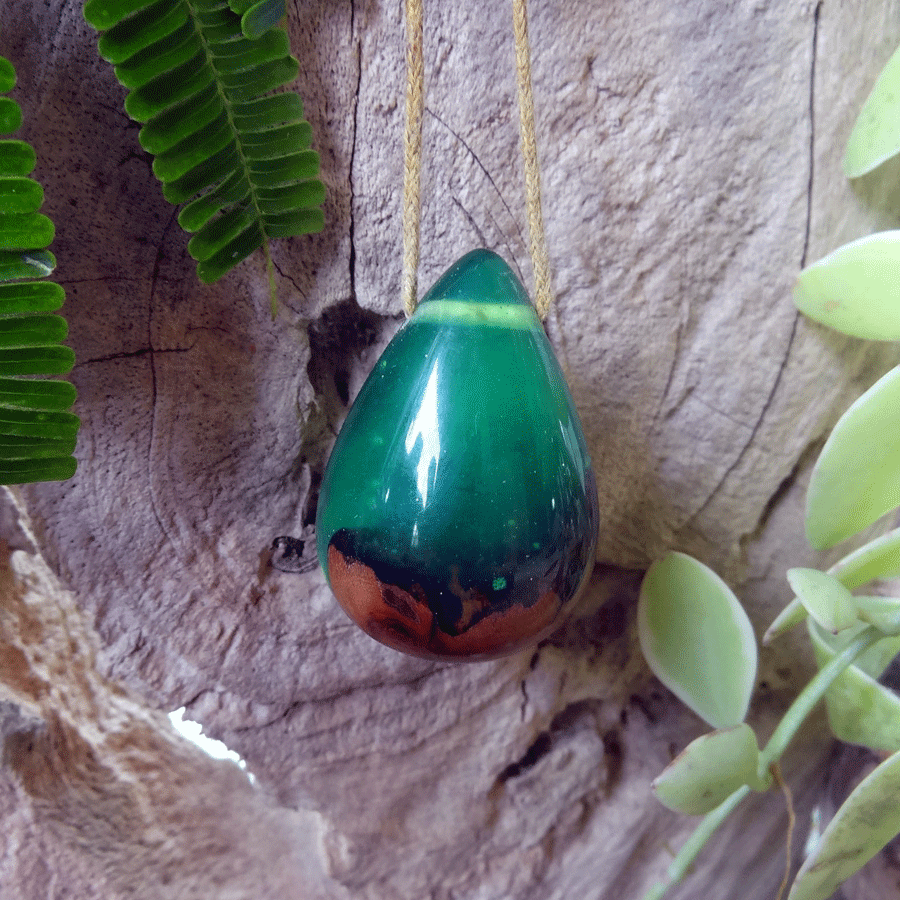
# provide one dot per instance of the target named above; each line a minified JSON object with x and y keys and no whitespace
{"x":151,"y":357}
{"x":812,"y":131}
{"x":289,"y":278}
{"x":133,"y":354}
{"x":493,"y":184}
{"x":670,"y":378}
{"x":471,"y":220}
{"x":576,"y":715}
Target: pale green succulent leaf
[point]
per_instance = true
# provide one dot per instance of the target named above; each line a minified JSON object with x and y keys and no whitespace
{"x":824,"y":598}
{"x":882,"y":612}
{"x":879,"y":558}
{"x":876,"y":134}
{"x":872,"y":661}
{"x":697,"y":639}
{"x":866,"y":822}
{"x":856,"y":288}
{"x":860,"y":710}
{"x":856,"y":479}
{"x":709,"y":770}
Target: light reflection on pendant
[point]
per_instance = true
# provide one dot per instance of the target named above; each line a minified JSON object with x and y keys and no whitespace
{"x":458,"y":514}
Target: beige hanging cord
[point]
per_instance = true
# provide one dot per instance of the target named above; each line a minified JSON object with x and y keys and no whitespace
{"x":415,"y":106}
{"x":540,"y":262}
{"x":412,"y":162}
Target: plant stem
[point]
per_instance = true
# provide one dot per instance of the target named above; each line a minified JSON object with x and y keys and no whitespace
{"x":711,"y":821}
{"x":781,"y":737}
{"x":810,"y":696}
{"x":793,"y":614}
{"x":880,"y":558}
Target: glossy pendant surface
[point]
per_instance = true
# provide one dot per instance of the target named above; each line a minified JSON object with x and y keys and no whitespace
{"x":458,"y":516}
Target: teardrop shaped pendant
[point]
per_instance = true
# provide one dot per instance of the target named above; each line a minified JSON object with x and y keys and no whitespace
{"x":458,"y":513}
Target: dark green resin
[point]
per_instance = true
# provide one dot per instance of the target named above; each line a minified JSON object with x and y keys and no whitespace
{"x":458,"y":508}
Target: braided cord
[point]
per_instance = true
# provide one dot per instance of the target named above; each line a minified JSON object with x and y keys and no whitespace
{"x":415,"y":106}
{"x":539,"y":258}
{"x":412,"y":161}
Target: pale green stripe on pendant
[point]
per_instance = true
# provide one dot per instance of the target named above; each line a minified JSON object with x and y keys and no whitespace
{"x":466,"y":312}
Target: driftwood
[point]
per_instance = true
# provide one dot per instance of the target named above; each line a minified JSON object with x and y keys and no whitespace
{"x":690,"y":153}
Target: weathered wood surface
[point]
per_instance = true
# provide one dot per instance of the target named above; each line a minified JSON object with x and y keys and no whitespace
{"x":690,"y":152}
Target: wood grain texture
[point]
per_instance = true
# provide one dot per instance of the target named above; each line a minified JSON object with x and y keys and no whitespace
{"x":690,"y":153}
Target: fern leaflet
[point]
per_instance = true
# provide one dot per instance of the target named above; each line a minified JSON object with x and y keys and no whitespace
{"x":201,"y":75}
{"x":258,"y":16}
{"x":37,"y":432}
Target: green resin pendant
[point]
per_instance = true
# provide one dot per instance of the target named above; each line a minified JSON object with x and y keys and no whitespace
{"x":458,"y":515}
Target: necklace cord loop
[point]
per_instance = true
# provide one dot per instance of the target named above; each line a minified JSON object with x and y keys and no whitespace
{"x":412,"y":162}
{"x":412,"y":170}
{"x":540,"y":261}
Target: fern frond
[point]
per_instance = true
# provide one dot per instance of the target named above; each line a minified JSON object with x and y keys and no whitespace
{"x":37,"y":432}
{"x":200,"y":75}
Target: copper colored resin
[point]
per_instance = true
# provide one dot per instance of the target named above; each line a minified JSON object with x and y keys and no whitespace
{"x":402,"y":619}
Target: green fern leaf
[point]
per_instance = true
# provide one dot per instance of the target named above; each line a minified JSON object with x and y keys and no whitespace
{"x":200,"y":75}
{"x":257,"y":16}
{"x":7,"y":76}
{"x":18,"y":157}
{"x":37,"y":432}
{"x":16,"y":266}
{"x":10,"y":116}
